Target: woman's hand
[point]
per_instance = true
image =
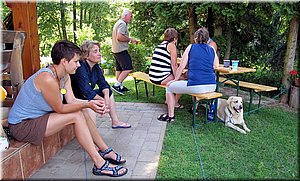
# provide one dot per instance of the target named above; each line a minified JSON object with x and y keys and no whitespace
{"x":98,"y":106}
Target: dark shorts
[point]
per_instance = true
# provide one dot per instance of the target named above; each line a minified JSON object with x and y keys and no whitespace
{"x":100,"y":93}
{"x":123,"y":61}
{"x":30,"y":130}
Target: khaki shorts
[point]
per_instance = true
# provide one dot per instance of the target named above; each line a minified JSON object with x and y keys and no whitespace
{"x":30,"y":130}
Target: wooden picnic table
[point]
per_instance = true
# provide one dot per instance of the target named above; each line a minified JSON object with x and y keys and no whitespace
{"x":228,"y":73}
{"x":231,"y":75}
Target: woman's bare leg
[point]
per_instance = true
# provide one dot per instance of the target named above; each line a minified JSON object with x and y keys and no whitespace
{"x":164,"y":82}
{"x":90,"y":118}
{"x":97,"y":138}
{"x":113,"y":113}
{"x":57,"y":122}
{"x":170,"y":97}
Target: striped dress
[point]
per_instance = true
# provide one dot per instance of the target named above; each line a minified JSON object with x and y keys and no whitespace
{"x":160,"y":67}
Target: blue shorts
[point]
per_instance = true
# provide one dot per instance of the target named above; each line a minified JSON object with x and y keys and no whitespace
{"x":123,"y":61}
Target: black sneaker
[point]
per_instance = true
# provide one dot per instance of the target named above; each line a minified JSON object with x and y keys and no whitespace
{"x":117,"y":89}
{"x":124,"y":89}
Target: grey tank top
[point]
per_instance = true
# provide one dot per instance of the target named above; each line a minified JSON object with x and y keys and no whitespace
{"x":30,"y":102}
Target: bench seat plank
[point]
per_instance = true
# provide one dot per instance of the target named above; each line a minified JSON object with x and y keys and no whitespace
{"x":144,"y":77}
{"x":255,"y":87}
{"x":208,"y":95}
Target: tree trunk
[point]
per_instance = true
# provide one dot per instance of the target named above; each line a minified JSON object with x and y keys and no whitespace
{"x":289,"y":57}
{"x":90,"y":15}
{"x":218,"y":31}
{"x":192,"y":23}
{"x":210,"y":21}
{"x":59,"y":32}
{"x":84,"y":15}
{"x":81,"y":16}
{"x":228,"y":44}
{"x":63,"y":20}
{"x":218,"y":27}
{"x":74,"y":20}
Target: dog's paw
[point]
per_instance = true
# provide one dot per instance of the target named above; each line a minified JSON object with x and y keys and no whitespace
{"x":248,"y":130}
{"x":242,"y":131}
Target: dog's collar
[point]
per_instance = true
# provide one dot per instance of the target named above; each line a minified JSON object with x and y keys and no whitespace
{"x":230,"y":112}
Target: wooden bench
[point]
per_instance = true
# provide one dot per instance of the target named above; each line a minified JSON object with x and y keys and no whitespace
{"x":253,"y":89}
{"x":197,"y":98}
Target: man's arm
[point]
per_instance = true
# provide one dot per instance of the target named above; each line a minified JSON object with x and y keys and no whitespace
{"x":121,"y":35}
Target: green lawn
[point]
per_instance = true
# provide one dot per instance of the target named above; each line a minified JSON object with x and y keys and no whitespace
{"x":269,"y":151}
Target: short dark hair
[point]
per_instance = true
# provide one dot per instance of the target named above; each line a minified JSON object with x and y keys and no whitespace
{"x":64,"y":49}
{"x":201,"y":35}
{"x":170,"y":34}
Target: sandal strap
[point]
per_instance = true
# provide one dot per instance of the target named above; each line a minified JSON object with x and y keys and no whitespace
{"x":115,"y":170}
{"x":104,"y":166}
{"x":169,"y":119}
{"x":108,"y":150}
{"x":118,"y":157}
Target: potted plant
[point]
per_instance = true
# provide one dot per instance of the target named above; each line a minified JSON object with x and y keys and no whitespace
{"x":294,"y":78}
{"x":107,"y":66}
{"x":294,"y":92}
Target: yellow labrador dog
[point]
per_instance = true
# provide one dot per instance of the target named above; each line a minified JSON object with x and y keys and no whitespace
{"x":231,"y":112}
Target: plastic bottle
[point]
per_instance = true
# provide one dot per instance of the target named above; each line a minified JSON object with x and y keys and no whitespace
{"x":212,"y":108}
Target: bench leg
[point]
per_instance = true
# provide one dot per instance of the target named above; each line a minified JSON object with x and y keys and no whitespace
{"x":238,"y":86}
{"x":216,"y":109}
{"x":136,"y":88}
{"x":259,"y":100}
{"x":250,"y":102}
{"x":146,"y":88}
{"x":153,"y":90}
{"x":206,"y":111}
{"x":194,"y":111}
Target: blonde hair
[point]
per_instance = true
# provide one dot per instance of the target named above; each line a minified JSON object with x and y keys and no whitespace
{"x":87,"y":46}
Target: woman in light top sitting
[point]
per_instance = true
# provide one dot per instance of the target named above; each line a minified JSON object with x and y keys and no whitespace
{"x":39,"y":112}
{"x":201,"y":59}
{"x":164,"y":60}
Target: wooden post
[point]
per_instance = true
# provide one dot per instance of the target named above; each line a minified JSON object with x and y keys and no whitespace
{"x":25,"y":19}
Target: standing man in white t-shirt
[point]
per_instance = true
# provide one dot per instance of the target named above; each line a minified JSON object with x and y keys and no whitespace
{"x":120,"y":40}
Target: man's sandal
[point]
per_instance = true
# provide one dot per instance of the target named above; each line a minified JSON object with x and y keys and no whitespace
{"x":165,"y":117}
{"x":106,"y":167}
{"x":113,"y":161}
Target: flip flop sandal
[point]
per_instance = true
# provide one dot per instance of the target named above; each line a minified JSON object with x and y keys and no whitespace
{"x":191,"y":110}
{"x":179,"y":107}
{"x":106,"y":167}
{"x":116,"y":161}
{"x":163,"y":117}
{"x":123,"y":125}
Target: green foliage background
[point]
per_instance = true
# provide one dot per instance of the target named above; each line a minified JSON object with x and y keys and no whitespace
{"x":259,"y":30}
